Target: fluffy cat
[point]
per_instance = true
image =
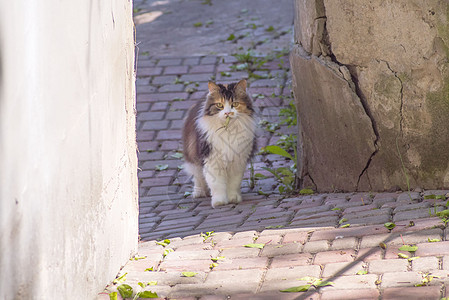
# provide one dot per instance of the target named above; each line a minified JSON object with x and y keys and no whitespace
{"x":219,"y":140}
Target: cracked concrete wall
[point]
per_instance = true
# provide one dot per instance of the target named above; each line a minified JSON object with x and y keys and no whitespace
{"x":393,"y":57}
{"x":68,"y":176}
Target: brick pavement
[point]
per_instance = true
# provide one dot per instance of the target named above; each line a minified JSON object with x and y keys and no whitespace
{"x":339,"y":237}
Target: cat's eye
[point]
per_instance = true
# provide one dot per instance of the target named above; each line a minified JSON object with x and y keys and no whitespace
{"x":235,"y":104}
{"x":219,"y":105}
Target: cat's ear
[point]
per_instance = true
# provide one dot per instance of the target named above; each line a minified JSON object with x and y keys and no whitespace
{"x":241,"y":86}
{"x":213,"y":87}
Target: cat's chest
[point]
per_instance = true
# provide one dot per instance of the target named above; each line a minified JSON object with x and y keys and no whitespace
{"x":232,"y":141}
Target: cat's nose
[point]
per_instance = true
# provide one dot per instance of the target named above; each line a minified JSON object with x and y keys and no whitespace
{"x":227,"y":114}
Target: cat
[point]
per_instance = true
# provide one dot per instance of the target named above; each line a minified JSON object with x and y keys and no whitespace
{"x":218,"y":142}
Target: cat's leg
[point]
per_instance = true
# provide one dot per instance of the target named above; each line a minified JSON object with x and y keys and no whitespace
{"x":216,"y":180}
{"x":235,"y":178}
{"x":200,"y":188}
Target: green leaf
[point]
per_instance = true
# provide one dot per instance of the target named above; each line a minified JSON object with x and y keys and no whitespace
{"x":278,"y":150}
{"x":198,"y":24}
{"x":362,"y":272}
{"x":402,"y":255}
{"x":213,"y":265}
{"x":413,"y":258}
{"x":325,"y":283}
{"x":161,"y":167}
{"x":177,"y":155}
{"x":433,"y":240}
{"x":188,"y":274}
{"x":430,"y":197}
{"x":336,"y":208}
{"x":152,"y":283}
{"x":269,"y":29}
{"x":167,"y":251}
{"x":125,"y":290}
{"x":231,"y":37}
{"x":306,"y":192}
{"x":345,"y":225}
{"x":151,"y":269}
{"x":260,"y":246}
{"x":443,"y":213}
{"x":408,"y":248}
{"x":141,"y":284}
{"x":163,"y":243}
{"x":389,"y":225}
{"x":258,"y":175}
{"x":120,"y":279}
{"x":215,"y":259}
{"x":296,"y":289}
{"x":138,"y":257}
{"x":148,"y":294}
{"x":342,"y":220}
{"x":113,"y":296}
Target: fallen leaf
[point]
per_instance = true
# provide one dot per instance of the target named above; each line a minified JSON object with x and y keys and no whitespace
{"x":408,"y":248}
{"x":402,"y":255}
{"x":362,"y":272}
{"x":260,"y":246}
{"x":389,"y":225}
{"x":161,"y":167}
{"x":433,"y":240}
{"x":301,"y":288}
{"x":188,"y":274}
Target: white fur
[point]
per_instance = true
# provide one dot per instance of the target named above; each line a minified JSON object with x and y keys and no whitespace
{"x":231,"y":147}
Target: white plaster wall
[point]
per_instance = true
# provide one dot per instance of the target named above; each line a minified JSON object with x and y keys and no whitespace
{"x":68,"y":165}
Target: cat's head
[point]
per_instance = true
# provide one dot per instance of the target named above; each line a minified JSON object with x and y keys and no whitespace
{"x":228,"y":100}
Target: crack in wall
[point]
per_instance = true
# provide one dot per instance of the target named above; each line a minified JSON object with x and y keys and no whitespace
{"x":354,"y":85}
{"x":401,"y":107}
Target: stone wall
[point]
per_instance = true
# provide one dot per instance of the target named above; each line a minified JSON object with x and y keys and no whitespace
{"x":371,"y":83}
{"x":68,"y":175}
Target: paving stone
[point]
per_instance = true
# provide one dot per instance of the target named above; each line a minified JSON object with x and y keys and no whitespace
{"x":388,"y":265}
{"x":369,"y":254}
{"x":316,"y":246}
{"x":326,"y":257}
{"x":242,"y":263}
{"x":366,"y":294}
{"x":342,"y":268}
{"x":240,"y":253}
{"x":236,"y":281}
{"x":292,"y":273}
{"x":348,"y":232}
{"x":291,"y":260}
{"x":295,"y":237}
{"x":400,"y":279}
{"x":433,"y":249}
{"x":407,"y":293}
{"x":425,"y":264}
{"x":446,"y":262}
{"x":352,"y":282}
{"x":414,"y":214}
{"x":275,"y":295}
{"x":344,"y":243}
{"x":276,"y":250}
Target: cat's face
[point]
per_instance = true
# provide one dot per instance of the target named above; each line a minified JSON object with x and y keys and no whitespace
{"x":228,"y":101}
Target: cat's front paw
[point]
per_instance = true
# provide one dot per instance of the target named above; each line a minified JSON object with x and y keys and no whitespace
{"x":199,"y":193}
{"x":235,"y":198}
{"x":219,"y":200}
